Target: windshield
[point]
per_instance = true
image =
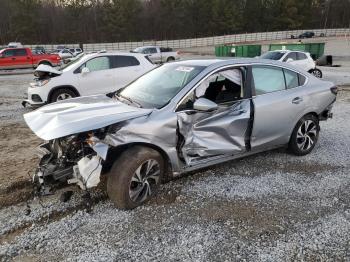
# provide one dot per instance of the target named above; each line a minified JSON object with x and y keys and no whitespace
{"x":273,"y":55}
{"x":71,"y":64}
{"x":138,"y":50}
{"x":156,"y":88}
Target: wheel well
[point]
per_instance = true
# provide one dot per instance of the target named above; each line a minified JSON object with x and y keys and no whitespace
{"x":115,"y":152}
{"x":53,"y":90}
{"x":171,"y":57}
{"x":45,"y":62}
{"x":312,"y":113}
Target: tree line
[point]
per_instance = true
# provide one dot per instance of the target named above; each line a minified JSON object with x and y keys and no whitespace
{"x":91,"y":21}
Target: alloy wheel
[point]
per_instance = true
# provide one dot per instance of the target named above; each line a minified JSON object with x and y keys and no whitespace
{"x":143,"y":181}
{"x":316,"y":73}
{"x":307,"y":135}
{"x":63,"y":96}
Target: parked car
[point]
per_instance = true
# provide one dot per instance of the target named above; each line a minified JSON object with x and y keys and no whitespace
{"x":178,"y":118}
{"x":14,"y":45}
{"x":75,"y":51}
{"x":158,"y":54}
{"x":300,"y":59}
{"x":16,"y":58}
{"x":61,"y":47}
{"x":39,"y":50}
{"x":90,"y":74}
{"x":65,"y":53}
{"x":308,"y":34}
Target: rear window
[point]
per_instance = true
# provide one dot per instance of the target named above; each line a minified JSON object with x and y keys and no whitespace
{"x":124,"y":61}
{"x":292,"y":79}
{"x":268,"y":79}
{"x":302,"y":80}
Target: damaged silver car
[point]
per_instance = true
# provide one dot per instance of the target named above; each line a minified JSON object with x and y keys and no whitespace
{"x":178,"y":118}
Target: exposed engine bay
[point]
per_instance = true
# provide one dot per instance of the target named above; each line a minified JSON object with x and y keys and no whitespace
{"x":75,"y":159}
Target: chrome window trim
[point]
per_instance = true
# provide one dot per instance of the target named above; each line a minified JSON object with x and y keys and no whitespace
{"x":240,"y":65}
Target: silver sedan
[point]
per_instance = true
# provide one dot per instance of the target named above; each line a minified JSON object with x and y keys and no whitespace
{"x":180,"y":117}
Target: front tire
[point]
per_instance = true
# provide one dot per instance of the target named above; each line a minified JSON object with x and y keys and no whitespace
{"x":62,"y":94}
{"x":135,"y":177}
{"x":304,"y":136}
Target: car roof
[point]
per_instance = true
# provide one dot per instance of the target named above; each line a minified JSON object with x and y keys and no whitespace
{"x":198,"y":62}
{"x":213,"y":64}
{"x":111,"y":53}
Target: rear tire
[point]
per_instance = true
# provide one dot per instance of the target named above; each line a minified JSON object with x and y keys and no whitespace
{"x":135,"y":177}
{"x":316,"y":72}
{"x":170,"y":59}
{"x":304,"y":136}
{"x":62,"y":94}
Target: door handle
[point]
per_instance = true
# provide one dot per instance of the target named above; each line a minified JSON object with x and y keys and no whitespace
{"x":297,"y":100}
{"x":13,"y":58}
{"x":241,"y":111}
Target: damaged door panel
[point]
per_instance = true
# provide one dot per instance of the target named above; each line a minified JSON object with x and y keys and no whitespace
{"x":210,"y":134}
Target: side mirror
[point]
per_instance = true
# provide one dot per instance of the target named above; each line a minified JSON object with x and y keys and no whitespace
{"x":203,"y":104}
{"x":289,"y":60}
{"x":85,"y":70}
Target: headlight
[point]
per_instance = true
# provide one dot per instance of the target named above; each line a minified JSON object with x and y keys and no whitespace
{"x":40,"y":83}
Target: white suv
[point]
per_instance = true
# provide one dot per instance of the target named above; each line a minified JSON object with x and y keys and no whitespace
{"x":300,"y":59}
{"x":88,"y":75}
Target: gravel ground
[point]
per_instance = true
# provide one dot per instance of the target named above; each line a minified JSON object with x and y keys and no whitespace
{"x":269,"y":207}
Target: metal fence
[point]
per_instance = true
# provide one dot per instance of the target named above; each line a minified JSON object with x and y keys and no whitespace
{"x":205,"y":41}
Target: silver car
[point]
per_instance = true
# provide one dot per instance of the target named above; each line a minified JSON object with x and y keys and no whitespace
{"x":178,"y":118}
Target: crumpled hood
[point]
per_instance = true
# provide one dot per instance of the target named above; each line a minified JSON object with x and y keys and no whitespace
{"x":79,"y":115}
{"x":47,"y":69}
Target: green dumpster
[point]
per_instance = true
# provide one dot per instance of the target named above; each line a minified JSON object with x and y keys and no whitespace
{"x":238,"y":51}
{"x":316,"y":50}
{"x":248,"y":50}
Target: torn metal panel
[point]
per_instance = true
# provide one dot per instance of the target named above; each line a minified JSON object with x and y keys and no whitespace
{"x":215,"y":133}
{"x":46,"y":69}
{"x":87,"y":172}
{"x":78,"y":115}
{"x":158,"y":130}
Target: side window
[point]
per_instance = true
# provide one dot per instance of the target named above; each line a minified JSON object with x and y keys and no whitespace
{"x":20,"y":52}
{"x":302,"y":80}
{"x":98,"y":63}
{"x":152,"y":50}
{"x":124,"y":61}
{"x":268,"y":79}
{"x":9,"y":53}
{"x":291,"y":55}
{"x":291,"y":78}
{"x":222,"y":87}
{"x":301,"y":56}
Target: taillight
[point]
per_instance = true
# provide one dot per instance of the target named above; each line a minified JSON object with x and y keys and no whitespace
{"x":334,"y":90}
